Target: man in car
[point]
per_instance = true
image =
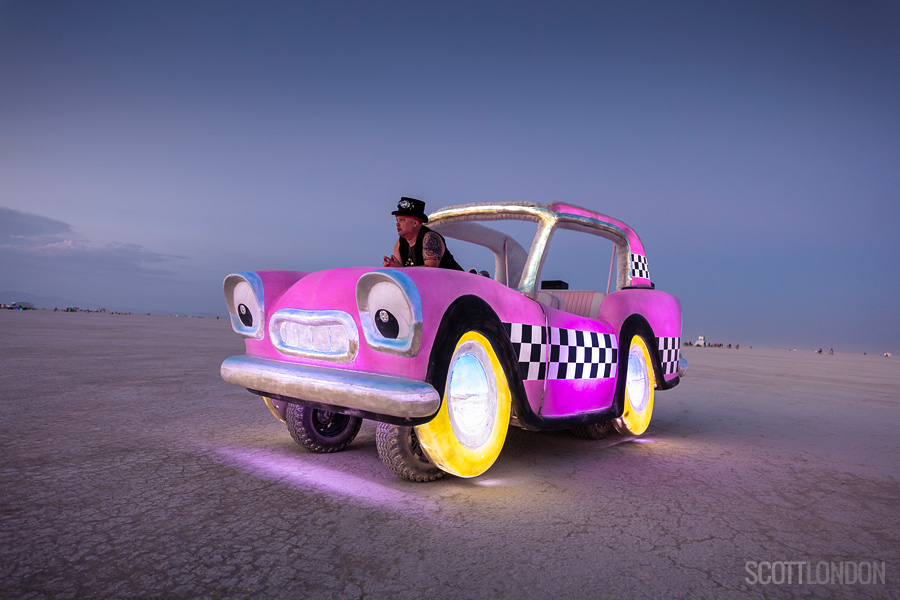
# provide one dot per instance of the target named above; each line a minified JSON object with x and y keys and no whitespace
{"x":417,"y":244}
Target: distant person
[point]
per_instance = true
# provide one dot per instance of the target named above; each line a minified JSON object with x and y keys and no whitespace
{"x":417,"y":244}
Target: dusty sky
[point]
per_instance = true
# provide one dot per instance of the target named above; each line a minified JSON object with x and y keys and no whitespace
{"x":147,"y":149}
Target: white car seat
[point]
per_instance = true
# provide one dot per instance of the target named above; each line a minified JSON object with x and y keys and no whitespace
{"x":585,"y":303}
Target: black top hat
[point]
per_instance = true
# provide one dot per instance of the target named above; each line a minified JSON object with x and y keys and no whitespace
{"x":410,"y":207}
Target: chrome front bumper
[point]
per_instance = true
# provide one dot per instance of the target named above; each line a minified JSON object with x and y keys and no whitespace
{"x":369,"y":392}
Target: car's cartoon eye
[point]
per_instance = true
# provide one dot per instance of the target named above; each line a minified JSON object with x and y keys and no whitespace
{"x":390,"y":309}
{"x":387,"y":324}
{"x":244,"y":297}
{"x":390,"y":312}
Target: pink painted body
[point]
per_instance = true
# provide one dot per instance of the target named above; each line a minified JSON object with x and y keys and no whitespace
{"x":555,"y":389}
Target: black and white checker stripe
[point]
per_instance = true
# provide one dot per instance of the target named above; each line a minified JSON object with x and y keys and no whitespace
{"x":639,"y":266}
{"x":573,"y":354}
{"x":530,"y":346}
{"x":669,"y":349}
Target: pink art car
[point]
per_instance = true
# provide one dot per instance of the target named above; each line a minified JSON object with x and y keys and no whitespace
{"x":445,"y":361}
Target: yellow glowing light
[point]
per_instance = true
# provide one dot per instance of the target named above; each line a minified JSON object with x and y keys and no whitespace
{"x":639,"y":389}
{"x":438,"y":438}
{"x":274,"y":410}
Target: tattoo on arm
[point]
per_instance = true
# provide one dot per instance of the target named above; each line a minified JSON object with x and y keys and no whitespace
{"x":432,"y":246}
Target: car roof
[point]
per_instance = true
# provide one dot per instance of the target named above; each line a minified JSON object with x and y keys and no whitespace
{"x":521,"y":269}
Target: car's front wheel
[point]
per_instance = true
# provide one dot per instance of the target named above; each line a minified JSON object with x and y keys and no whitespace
{"x":399,"y":449}
{"x":466,"y":435}
{"x":321,"y":430}
{"x":639,"y":389}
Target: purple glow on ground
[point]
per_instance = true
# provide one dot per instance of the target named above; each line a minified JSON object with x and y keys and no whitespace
{"x":488,"y":481}
{"x":296,"y":472}
{"x":301,"y":471}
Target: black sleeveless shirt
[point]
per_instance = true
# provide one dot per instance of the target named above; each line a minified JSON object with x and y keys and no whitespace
{"x":416,"y":260}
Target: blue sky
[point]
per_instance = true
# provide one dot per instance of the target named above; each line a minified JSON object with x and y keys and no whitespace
{"x":147,"y":149}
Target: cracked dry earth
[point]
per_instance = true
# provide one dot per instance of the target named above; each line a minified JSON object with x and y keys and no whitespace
{"x":131,"y":470}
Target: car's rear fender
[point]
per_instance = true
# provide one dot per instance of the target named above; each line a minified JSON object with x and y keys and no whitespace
{"x":660,"y":315}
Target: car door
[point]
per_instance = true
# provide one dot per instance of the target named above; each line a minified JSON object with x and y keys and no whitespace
{"x":581,"y":358}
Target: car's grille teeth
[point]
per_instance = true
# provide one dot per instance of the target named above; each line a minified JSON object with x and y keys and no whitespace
{"x":327,"y":339}
{"x":329,"y":335}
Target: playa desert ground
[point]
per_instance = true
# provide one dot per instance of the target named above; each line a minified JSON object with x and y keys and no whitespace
{"x":129,"y":469}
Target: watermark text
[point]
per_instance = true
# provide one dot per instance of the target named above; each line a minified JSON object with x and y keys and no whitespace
{"x":787,"y":572}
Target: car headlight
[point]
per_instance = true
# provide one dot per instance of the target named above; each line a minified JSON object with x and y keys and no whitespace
{"x":244,"y":296}
{"x":390,"y":311}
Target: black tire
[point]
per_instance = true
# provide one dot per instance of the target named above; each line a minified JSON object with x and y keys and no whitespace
{"x":321,"y":430}
{"x":399,"y":449}
{"x":594,"y":431}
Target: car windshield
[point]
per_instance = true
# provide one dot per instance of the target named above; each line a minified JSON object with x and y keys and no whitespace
{"x":498,"y":247}
{"x":514,"y":246}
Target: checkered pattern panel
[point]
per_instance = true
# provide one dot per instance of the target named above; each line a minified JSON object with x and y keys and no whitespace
{"x":530,"y":345}
{"x":669,"y":349}
{"x":573,"y":354}
{"x":639,"y":267}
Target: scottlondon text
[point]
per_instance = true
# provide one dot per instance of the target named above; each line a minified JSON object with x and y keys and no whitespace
{"x":781,"y":572}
